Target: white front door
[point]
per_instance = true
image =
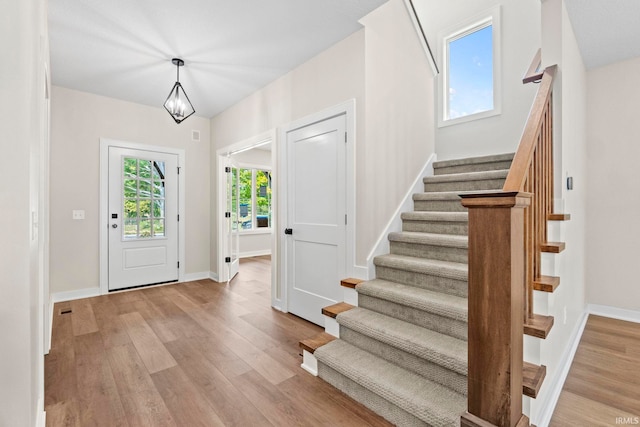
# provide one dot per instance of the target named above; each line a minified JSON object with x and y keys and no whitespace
{"x":232,"y":259}
{"x":316,"y":233}
{"x":143,"y":218}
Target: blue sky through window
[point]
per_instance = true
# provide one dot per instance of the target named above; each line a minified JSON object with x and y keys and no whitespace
{"x":471,"y":73}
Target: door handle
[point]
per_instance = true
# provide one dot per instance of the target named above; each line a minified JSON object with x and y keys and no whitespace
{"x":288,"y":231}
{"x":114,"y":225}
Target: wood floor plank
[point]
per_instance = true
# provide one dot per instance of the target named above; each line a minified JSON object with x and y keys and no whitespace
{"x":63,"y":414}
{"x":232,"y":407}
{"x":273,"y":404}
{"x":151,"y":350}
{"x":82,"y":318}
{"x":580,"y":411}
{"x":99,"y":401}
{"x":128,"y":369}
{"x":603,"y":383}
{"x":60,"y":363}
{"x":110,"y":325}
{"x":225,"y":360}
{"x":188,"y":407}
{"x":147,"y":409}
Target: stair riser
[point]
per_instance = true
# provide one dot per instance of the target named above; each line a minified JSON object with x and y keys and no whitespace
{"x":480,"y":167}
{"x":448,"y":227}
{"x":442,"y":253}
{"x":435,"y":322}
{"x":379,"y":405}
{"x":424,"y":281}
{"x":487,"y":184}
{"x":438,"y":206}
{"x":411,"y":362}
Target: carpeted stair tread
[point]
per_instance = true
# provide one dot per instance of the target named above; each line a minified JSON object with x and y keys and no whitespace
{"x":474,"y":160}
{"x":449,"y":240}
{"x":435,"y":216}
{"x":467,"y":176}
{"x":446,"y":351}
{"x":430,"y":402}
{"x":445,"y":305}
{"x":447,"y":269}
{"x":446,"y":195}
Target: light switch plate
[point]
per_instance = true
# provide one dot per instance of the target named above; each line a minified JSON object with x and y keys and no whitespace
{"x":77,"y":214}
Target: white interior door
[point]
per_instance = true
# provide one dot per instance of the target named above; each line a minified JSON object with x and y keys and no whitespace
{"x":232,"y":258}
{"x":316,"y":214}
{"x":143,"y":218}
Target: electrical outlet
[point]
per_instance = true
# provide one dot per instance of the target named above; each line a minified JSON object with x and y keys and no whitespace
{"x":77,"y":214}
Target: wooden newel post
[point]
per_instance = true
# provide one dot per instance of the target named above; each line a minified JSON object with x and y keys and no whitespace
{"x":496,"y":304}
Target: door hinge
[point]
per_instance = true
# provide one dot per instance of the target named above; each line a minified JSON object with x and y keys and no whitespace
{"x":227,"y":259}
{"x":345,"y":137}
{"x":345,"y":219}
{"x":178,"y":217}
{"x":178,"y":264}
{"x":227,"y":214}
{"x":178,"y":170}
{"x":227,"y":169}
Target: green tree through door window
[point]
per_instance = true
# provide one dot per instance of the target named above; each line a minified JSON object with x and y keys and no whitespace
{"x":143,"y":198}
{"x":254,"y":191}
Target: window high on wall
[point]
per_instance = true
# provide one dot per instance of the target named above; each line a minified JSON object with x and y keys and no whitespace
{"x":470,"y":81}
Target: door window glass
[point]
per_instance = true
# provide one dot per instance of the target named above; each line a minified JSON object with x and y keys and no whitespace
{"x":143,"y":198}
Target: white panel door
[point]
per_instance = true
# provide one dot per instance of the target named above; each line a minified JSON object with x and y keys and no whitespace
{"x":143,"y":218}
{"x":316,"y":192}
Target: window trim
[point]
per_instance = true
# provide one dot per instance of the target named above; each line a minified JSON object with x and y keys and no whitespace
{"x":254,"y":220}
{"x":462,"y":29}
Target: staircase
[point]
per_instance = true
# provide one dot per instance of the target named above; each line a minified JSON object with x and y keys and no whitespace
{"x":403,"y":351}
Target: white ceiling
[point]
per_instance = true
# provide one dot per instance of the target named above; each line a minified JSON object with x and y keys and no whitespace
{"x":231,"y":48}
{"x":607,"y":31}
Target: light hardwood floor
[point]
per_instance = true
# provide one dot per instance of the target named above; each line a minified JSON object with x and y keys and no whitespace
{"x":603,"y":385}
{"x":192,"y":354}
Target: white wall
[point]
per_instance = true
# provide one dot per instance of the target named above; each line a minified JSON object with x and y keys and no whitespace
{"x":520,"y":41}
{"x":614,"y":197}
{"x":383,"y":68}
{"x":24,"y":46}
{"x":78,"y":121}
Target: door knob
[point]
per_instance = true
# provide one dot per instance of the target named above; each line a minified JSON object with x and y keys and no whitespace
{"x":288,"y":231}
{"x":114,"y":225}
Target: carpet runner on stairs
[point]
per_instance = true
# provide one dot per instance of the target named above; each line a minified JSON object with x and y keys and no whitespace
{"x":403,"y":351}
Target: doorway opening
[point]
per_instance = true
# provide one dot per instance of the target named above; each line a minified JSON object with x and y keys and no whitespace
{"x":246,"y":214}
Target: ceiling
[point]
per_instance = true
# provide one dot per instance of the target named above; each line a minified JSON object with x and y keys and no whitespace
{"x":123,"y":48}
{"x":607,"y":31}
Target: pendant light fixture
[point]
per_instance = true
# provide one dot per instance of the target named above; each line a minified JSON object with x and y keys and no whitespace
{"x":177,"y":103}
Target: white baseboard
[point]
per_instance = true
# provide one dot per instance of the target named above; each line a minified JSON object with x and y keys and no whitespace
{"x":42,"y":419}
{"x":254,"y":253}
{"x":190,"y":277}
{"x":76,"y":294}
{"x":395,"y":223}
{"x":50,"y":331}
{"x":214,"y":276}
{"x":614,"y":312}
{"x":557,"y":382}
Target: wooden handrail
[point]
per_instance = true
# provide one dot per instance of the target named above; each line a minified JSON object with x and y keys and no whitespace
{"x":520,"y":165}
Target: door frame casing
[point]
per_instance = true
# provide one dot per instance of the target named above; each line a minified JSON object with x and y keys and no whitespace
{"x":105,"y":144}
{"x":280,"y":294}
